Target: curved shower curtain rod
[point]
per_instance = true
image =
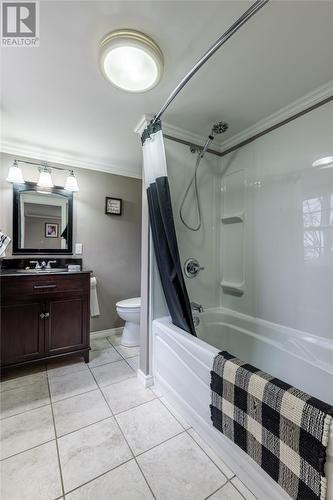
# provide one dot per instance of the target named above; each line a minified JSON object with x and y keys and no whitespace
{"x":255,"y":7}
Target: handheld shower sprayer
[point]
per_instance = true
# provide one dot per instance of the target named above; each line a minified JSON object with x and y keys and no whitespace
{"x":218,"y":128}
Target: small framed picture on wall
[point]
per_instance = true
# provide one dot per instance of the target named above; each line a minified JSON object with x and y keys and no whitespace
{"x":51,"y":230}
{"x":113,"y":206}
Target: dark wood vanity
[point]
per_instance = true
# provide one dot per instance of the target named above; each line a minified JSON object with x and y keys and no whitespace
{"x":44,"y":317}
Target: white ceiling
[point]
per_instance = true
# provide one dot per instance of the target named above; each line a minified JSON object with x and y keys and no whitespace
{"x":54,"y":98}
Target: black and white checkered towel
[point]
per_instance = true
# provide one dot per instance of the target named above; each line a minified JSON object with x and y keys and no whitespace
{"x":283,"y":429}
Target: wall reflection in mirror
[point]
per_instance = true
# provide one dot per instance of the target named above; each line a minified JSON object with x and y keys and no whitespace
{"x":42,"y":219}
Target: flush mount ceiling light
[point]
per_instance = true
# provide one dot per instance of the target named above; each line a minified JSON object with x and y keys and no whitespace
{"x":131,"y":60}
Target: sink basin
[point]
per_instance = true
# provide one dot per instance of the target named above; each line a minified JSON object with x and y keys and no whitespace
{"x":43,"y":271}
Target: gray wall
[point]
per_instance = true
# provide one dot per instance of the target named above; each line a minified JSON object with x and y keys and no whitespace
{"x":35,"y":233}
{"x":111,"y":244}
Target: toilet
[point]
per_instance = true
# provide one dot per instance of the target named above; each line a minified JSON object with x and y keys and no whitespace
{"x":129,"y":311}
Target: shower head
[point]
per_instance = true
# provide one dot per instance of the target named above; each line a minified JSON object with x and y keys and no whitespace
{"x":219,"y":128}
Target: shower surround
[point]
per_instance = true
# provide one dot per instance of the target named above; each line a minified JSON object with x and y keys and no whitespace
{"x":267,"y":248}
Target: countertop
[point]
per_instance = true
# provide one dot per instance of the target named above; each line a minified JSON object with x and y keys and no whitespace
{"x":19,"y":272}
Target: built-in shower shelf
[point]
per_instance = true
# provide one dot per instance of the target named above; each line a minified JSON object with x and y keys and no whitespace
{"x":229,"y":288}
{"x":233,"y":219}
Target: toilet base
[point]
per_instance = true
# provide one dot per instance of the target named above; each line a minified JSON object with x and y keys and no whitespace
{"x":131,"y":335}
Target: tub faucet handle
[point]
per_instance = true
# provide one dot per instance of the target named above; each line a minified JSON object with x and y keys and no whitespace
{"x":192,"y":268}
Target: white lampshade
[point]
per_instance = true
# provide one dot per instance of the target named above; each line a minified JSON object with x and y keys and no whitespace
{"x":71,"y":183}
{"x":45,"y":179}
{"x":131,"y":60}
{"x":15,"y":174}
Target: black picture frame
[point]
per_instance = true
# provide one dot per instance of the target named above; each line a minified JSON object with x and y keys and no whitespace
{"x":108,"y":211}
{"x":32,"y":186}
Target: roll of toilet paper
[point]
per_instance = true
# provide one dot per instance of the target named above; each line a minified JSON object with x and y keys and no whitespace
{"x":94,"y":306}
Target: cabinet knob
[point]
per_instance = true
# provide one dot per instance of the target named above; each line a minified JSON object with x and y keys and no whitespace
{"x":46,"y":315}
{"x":42,"y":315}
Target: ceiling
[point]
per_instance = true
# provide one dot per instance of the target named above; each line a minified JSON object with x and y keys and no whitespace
{"x":55,"y":99}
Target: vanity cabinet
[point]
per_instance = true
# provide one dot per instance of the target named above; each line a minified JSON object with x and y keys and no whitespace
{"x":44,"y":317}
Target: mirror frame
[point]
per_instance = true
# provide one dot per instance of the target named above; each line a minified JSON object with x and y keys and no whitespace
{"x":32,"y":186}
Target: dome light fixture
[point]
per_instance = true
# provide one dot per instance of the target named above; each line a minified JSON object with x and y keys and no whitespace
{"x":131,"y":60}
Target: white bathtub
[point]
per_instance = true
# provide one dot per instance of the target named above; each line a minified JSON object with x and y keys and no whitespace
{"x":182,"y":364}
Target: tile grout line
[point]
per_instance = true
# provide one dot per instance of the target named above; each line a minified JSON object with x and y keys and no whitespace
{"x":113,"y":415}
{"x":122,"y":433}
{"x":97,"y":477}
{"x":24,"y":411}
{"x":27,"y":449}
{"x":227,"y":479}
{"x":56,"y":441}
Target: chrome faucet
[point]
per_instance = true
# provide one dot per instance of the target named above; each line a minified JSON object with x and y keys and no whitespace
{"x":192,"y":268}
{"x":197,"y":307}
{"x":49,"y":264}
{"x":37,"y":266}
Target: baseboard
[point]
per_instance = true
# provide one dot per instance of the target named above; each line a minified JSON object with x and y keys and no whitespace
{"x":108,"y":332}
{"x":146,"y":380}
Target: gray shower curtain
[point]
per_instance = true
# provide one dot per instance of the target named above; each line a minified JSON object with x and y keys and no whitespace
{"x":163,"y":228}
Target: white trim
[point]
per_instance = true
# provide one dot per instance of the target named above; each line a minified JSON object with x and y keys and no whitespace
{"x":145,"y":380}
{"x":108,"y":332}
{"x":16,"y":148}
{"x":185,"y":135}
{"x":142,"y":124}
{"x":295,"y":107}
{"x":178,"y":132}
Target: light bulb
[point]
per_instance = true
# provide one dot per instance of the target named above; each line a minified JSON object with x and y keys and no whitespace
{"x":71,"y":183}
{"x":45,"y":179}
{"x":15,"y":174}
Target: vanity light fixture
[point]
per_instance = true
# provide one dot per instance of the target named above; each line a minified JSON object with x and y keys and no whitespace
{"x":131,"y":60}
{"x":45,"y":179}
{"x":15,"y":174}
{"x":324,"y":162}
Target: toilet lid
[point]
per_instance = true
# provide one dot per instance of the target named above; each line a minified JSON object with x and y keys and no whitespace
{"x":129,"y":303}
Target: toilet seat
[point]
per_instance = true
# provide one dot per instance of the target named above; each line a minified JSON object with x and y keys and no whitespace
{"x":134,"y":303}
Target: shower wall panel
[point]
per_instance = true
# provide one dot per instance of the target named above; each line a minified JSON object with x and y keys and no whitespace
{"x":203,"y":244}
{"x":288,"y":229}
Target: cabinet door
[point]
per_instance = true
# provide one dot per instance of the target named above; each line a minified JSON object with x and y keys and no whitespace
{"x":66,"y":327}
{"x":22,"y":332}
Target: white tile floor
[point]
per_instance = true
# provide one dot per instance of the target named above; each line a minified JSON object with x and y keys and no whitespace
{"x":91,"y":432}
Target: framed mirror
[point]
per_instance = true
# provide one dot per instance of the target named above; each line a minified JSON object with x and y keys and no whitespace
{"x":42,"y":220}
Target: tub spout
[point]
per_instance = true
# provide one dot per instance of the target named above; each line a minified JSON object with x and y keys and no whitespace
{"x":197,"y":307}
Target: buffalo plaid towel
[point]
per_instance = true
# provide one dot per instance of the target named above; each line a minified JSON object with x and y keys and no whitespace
{"x":283,"y":429}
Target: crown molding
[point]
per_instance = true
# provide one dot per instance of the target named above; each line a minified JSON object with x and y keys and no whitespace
{"x":51,"y":156}
{"x":308,"y":100}
{"x":172,"y":130}
{"x":142,"y":124}
{"x":185,"y":135}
